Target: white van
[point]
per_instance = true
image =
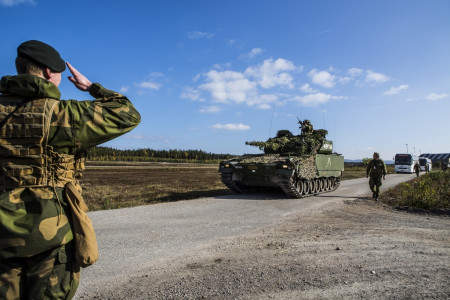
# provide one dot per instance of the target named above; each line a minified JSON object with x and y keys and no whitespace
{"x":424,"y":163}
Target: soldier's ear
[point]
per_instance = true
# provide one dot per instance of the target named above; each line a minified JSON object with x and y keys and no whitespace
{"x":47,"y":73}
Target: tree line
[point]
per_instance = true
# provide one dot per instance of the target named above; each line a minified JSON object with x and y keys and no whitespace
{"x":151,"y":155}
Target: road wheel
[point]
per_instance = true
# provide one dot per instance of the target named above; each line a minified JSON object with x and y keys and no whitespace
{"x":321,"y":184}
{"x":325,"y":184}
{"x":313,"y":188}
{"x":306,"y":187}
{"x":299,"y":186}
{"x":330,"y":183}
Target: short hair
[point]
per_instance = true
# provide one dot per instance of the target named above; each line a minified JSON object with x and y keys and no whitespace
{"x":376,"y":154}
{"x":25,"y":65}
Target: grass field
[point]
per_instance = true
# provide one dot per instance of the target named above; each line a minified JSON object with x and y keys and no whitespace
{"x":125,"y":185}
{"x":116,"y":185}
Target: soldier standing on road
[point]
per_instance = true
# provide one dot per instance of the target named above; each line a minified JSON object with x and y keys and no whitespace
{"x":417,"y":168}
{"x":376,"y":170}
{"x":43,"y":142}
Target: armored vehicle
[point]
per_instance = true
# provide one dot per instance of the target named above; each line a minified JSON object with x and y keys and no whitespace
{"x":301,"y":165}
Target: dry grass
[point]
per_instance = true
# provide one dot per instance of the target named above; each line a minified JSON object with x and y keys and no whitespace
{"x":126,"y":185}
{"x":359,"y":171}
{"x":108,"y":185}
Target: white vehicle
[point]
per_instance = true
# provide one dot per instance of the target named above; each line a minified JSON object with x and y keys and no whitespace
{"x":404,"y":162}
{"x":424,"y":163}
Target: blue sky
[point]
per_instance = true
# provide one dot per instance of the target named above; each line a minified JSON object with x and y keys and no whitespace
{"x":211,"y":75}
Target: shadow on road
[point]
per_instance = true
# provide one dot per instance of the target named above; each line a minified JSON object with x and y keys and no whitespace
{"x":173,"y":197}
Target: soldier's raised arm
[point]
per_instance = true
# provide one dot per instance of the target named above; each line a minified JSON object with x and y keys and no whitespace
{"x":92,"y":122}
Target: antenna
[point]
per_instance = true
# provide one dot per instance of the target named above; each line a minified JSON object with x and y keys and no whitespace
{"x":300,"y":127}
{"x":270,"y":128}
{"x":323,"y":117}
{"x":334,"y":133}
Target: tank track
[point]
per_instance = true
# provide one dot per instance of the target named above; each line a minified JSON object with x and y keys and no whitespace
{"x":227,"y":179}
{"x":306,"y":188}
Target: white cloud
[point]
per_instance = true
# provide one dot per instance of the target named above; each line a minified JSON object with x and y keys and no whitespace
{"x":232,"y":126}
{"x":9,"y":3}
{"x":316,"y":99}
{"x":373,"y":77}
{"x":308,"y":89}
{"x":254,"y":52}
{"x":322,"y":78}
{"x":192,"y":94}
{"x":435,"y":97}
{"x":272,"y":73}
{"x":396,"y":90}
{"x":271,"y":84}
{"x":228,"y":86}
{"x":354,"y":72}
{"x":149,"y":85}
{"x":124,"y":89}
{"x":195,"y":35}
{"x":210,"y":109}
{"x":221,"y":66}
{"x":262,"y":101}
{"x":264,"y":106}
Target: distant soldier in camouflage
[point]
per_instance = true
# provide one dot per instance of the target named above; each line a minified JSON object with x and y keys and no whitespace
{"x":43,"y":141}
{"x":376,"y":169}
{"x":417,"y":169}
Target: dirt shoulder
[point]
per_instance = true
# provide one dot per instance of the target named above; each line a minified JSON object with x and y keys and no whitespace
{"x":354,"y":249}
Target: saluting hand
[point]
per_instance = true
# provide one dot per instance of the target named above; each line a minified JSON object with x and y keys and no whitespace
{"x":78,"y":79}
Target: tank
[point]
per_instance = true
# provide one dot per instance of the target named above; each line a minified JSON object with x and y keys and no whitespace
{"x":300,"y":165}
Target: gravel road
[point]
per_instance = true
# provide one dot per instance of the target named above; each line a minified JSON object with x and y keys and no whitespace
{"x":147,"y":252}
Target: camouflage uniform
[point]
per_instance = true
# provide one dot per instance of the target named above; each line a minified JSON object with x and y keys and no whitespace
{"x":417,"y":169}
{"x":376,"y":169}
{"x":36,"y":239}
{"x":306,"y":127}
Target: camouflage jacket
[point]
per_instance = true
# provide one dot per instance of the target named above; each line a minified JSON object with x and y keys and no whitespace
{"x":376,"y":168}
{"x":34,"y":219}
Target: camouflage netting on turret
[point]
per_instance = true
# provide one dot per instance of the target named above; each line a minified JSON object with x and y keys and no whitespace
{"x":286,"y":142}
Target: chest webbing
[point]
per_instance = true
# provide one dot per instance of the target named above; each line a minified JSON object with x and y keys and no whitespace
{"x":26,"y":160}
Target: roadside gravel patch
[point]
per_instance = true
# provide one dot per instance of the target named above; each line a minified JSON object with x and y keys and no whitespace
{"x":350,"y":249}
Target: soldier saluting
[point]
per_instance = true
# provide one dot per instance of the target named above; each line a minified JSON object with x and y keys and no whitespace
{"x":43,"y":141}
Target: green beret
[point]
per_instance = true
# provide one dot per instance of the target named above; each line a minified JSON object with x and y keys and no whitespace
{"x":43,"y":54}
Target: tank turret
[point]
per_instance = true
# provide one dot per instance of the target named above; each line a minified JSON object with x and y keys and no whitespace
{"x":308,"y":142}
